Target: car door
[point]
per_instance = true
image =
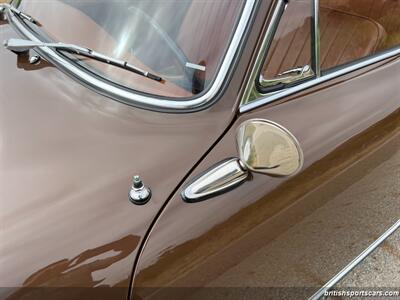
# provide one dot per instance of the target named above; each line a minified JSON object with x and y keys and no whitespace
{"x":286,"y":236}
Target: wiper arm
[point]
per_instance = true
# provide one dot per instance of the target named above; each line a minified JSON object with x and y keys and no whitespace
{"x":16,"y":11}
{"x":21,"y":46}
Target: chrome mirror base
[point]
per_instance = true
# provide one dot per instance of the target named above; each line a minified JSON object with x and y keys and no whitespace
{"x":218,"y":179}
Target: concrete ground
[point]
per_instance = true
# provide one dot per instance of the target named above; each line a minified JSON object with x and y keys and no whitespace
{"x":380,"y":270}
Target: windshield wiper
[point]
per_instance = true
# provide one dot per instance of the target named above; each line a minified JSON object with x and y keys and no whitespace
{"x":23,"y":46}
{"x":16,"y":11}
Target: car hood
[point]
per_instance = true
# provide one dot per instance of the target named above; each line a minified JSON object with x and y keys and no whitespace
{"x":67,"y":157}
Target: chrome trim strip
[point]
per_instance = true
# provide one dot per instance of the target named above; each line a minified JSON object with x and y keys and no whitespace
{"x":290,"y":91}
{"x":271,"y":31}
{"x":131,"y":98}
{"x":316,"y":61}
{"x":339,"y":276}
{"x":251,"y":92}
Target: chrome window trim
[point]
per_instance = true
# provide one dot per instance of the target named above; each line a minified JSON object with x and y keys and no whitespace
{"x":290,"y":91}
{"x":316,"y":64}
{"x":132,"y":98}
{"x":251,"y":91}
{"x":347,"y":269}
{"x":252,"y":98}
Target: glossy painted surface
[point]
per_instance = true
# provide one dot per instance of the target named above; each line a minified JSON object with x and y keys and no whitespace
{"x":288,"y":232}
{"x":67,"y":157}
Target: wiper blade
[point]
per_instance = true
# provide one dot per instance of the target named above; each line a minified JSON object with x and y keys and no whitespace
{"x":21,"y":46}
{"x":16,"y":11}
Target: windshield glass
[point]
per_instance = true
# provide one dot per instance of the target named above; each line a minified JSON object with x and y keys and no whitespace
{"x":183,"y":41}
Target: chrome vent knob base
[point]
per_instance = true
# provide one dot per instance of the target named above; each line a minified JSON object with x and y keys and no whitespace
{"x":139,"y":193}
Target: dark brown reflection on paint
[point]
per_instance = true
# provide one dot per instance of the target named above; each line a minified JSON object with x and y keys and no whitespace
{"x":195,"y":263}
{"x":72,"y":278}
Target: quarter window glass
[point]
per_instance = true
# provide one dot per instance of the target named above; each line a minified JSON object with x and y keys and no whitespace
{"x":291,"y":46}
{"x":353,"y":29}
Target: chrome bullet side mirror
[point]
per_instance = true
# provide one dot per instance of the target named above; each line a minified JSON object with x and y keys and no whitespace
{"x":263,"y":147}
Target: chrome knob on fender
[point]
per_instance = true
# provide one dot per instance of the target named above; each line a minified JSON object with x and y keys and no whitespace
{"x":139,"y":194}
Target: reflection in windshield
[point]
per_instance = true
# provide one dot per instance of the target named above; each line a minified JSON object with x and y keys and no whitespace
{"x":183,"y":41}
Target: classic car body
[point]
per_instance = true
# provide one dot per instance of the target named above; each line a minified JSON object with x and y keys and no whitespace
{"x":71,"y":140}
